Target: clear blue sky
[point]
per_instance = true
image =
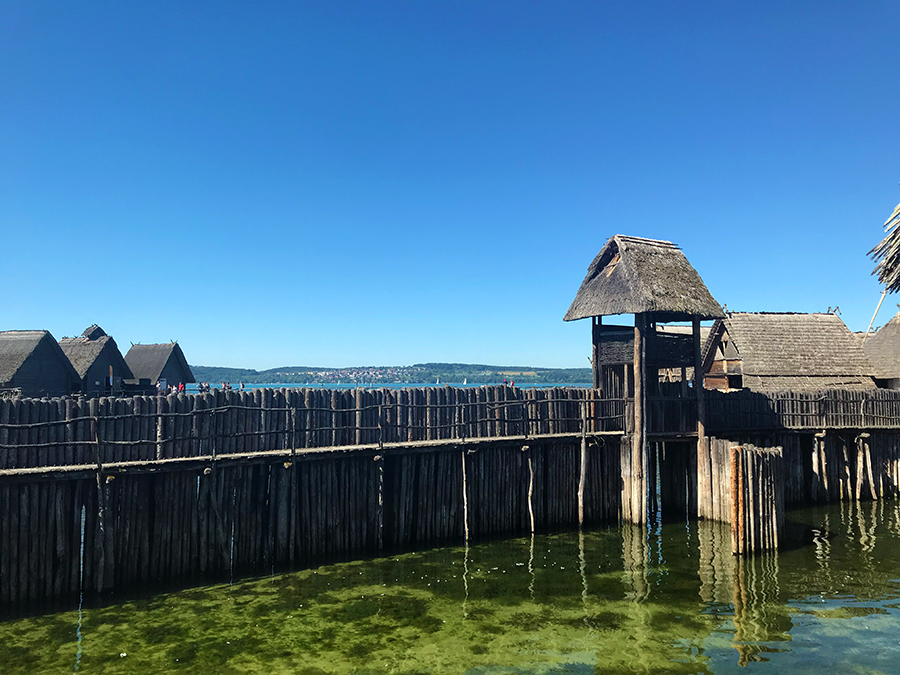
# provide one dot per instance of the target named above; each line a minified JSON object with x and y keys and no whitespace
{"x":350,"y":183}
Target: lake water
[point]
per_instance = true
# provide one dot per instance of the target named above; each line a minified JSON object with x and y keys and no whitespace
{"x":620,"y":600}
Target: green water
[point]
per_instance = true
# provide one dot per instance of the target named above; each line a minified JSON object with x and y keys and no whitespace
{"x":671,"y":599}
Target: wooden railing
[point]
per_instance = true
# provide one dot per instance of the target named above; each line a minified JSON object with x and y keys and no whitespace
{"x":147,"y":430}
{"x":834,"y":409}
{"x":80,"y":432}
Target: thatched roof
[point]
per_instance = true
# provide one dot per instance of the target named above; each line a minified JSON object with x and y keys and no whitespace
{"x":887,"y":254}
{"x":883,"y":349}
{"x":83,"y":351}
{"x":148,"y":361}
{"x":93,"y":332}
{"x":17,"y":345}
{"x":631,"y":275}
{"x":796,"y":352}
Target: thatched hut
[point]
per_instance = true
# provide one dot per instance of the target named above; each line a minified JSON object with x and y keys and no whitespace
{"x":770,"y":352}
{"x":159,"y":363}
{"x":648,"y":278}
{"x":883,"y":350}
{"x":33,"y":365}
{"x":98,"y":362}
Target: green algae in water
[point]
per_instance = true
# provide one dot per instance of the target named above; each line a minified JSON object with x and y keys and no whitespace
{"x":672,"y":600}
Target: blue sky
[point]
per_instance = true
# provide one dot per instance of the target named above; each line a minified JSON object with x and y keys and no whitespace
{"x":352,"y":183}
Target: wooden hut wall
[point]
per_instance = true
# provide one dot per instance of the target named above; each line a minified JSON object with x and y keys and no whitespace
{"x":96,"y":379}
{"x":173,"y":373}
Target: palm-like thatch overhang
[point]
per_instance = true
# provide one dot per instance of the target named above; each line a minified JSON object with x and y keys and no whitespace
{"x":632,"y":275}
{"x":887,"y":254}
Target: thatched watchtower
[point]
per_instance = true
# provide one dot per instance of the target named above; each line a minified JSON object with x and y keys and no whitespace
{"x":653,"y":280}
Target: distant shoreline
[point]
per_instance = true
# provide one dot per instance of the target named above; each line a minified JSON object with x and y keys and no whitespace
{"x":249,"y":386}
{"x":422,"y":374}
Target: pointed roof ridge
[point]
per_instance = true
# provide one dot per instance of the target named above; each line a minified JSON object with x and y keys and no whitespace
{"x":633,"y":275}
{"x":83,"y":352}
{"x":93,"y":332}
{"x":147,"y":361}
{"x":16,"y":346}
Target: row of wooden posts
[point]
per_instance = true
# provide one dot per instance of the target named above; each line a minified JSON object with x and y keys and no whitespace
{"x":59,"y":538}
{"x":746,"y":410}
{"x":743,"y":485}
{"x":113,"y":493}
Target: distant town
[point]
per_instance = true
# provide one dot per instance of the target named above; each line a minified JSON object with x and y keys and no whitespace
{"x":421,"y":373}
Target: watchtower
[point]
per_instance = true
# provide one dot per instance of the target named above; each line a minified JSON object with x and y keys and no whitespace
{"x":654,"y":281}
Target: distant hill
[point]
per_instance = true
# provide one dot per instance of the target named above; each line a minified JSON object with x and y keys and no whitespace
{"x":446,"y":373}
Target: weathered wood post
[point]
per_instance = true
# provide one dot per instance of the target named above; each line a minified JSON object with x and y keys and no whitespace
{"x":596,"y":328}
{"x":639,"y":439}
{"x":704,"y":460}
{"x":582,"y":477}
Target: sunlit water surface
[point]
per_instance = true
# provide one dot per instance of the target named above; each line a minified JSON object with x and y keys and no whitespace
{"x":667,"y":599}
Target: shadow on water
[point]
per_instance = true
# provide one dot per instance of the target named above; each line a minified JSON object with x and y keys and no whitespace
{"x":664,"y":599}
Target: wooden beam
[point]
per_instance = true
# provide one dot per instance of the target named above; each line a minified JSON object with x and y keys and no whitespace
{"x":596,"y":324}
{"x":704,"y":459}
{"x":699,"y":389}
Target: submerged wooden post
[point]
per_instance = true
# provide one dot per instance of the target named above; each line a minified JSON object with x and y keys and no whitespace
{"x":639,"y":440}
{"x":704,"y":459}
{"x":583,"y":470}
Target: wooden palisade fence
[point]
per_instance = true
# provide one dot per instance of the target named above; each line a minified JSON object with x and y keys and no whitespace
{"x":119,"y":493}
{"x":109,"y":493}
{"x":743,"y":485}
{"x":757,"y":499}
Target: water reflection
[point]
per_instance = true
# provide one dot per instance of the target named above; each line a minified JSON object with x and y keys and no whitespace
{"x":668,"y":599}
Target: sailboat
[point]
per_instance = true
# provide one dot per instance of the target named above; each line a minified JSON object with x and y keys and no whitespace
{"x":465,"y":381}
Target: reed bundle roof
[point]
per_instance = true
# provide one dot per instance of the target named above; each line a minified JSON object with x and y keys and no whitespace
{"x":632,"y":275}
{"x":795,"y":352}
{"x":883,"y":350}
{"x":148,"y":361}
{"x":83,"y":351}
{"x":16,"y":346}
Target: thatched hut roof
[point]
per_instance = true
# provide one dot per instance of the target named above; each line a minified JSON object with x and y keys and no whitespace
{"x":83,"y":351}
{"x":16,"y":346}
{"x":93,"y":332}
{"x":794,"y":352}
{"x":631,"y":275}
{"x":149,"y":361}
{"x":883,"y":350}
